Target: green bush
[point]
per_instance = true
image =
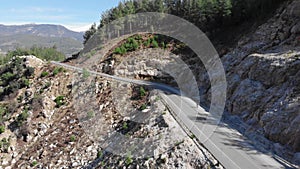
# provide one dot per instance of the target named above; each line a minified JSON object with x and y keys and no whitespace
{"x":85,"y":73}
{"x":44,"y":74}
{"x":45,"y":53}
{"x":57,"y":70}
{"x":147,"y":43}
{"x":163,"y":45}
{"x":125,"y":126}
{"x":72,"y":138}
{"x":99,"y":154}
{"x":3,"y":113}
{"x":120,"y":50}
{"x":34,"y":163}
{"x":59,"y":100}
{"x":4,"y":145}
{"x":90,"y":114}
{"x":2,"y":129}
{"x":22,"y":117}
{"x":25,"y":82}
{"x":4,"y":59}
{"x":130,"y":45}
{"x":128,"y":159}
{"x":142,"y":91}
{"x":7,"y":76}
{"x":143,"y":107}
{"x":155,"y":44}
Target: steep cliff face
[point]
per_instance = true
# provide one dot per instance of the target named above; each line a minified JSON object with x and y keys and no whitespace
{"x":263,"y":78}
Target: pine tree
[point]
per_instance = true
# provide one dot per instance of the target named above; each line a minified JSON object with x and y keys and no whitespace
{"x":88,"y":34}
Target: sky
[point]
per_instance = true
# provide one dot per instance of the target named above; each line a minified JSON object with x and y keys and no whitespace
{"x":77,"y":15}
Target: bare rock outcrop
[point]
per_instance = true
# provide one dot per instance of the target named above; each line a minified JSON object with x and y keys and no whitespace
{"x":263,"y":75}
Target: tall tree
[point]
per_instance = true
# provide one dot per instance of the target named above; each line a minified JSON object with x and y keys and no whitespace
{"x":88,"y":34}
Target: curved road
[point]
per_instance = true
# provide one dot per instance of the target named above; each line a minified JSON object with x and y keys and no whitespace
{"x":229,"y":147}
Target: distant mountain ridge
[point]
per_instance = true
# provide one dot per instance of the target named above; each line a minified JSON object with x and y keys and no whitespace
{"x":44,"y":30}
{"x":44,"y":35}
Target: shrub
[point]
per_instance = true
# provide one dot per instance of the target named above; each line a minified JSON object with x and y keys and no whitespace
{"x":130,"y":45}
{"x":120,"y":50}
{"x":29,"y":71}
{"x":7,"y":76}
{"x":72,"y":138}
{"x":44,"y":74}
{"x":155,"y":44}
{"x":59,"y":100}
{"x":128,"y":159}
{"x":45,"y":53}
{"x":90,"y":114}
{"x":25,"y":82}
{"x":19,"y":99}
{"x":12,"y":87}
{"x":85,"y":73}
{"x":163,"y":45}
{"x":142,"y":91}
{"x":4,"y":145}
{"x":2,"y":129}
{"x":147,"y":43}
{"x":57,"y":70}
{"x":143,"y":107}
{"x":22,"y":117}
{"x":125,"y":126}
{"x":34,"y":163}
{"x":117,"y":50}
{"x":6,"y":111}
{"x":99,"y":154}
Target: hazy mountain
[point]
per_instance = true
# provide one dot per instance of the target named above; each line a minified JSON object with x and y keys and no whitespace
{"x":47,"y":35}
{"x":44,"y":30}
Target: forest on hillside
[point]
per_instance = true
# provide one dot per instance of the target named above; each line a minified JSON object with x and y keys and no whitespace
{"x":210,"y":16}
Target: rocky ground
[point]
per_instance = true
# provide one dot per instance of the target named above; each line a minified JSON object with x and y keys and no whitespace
{"x":262,"y":72}
{"x":60,"y":130}
{"x":263,"y":78}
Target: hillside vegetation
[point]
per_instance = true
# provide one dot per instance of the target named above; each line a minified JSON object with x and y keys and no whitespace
{"x":211,"y":16}
{"x":43,"y":53}
{"x":67,"y":46}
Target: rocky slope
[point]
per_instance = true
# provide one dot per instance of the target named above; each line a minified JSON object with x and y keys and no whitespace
{"x":48,"y":125}
{"x":263,"y":80}
{"x":262,"y":72}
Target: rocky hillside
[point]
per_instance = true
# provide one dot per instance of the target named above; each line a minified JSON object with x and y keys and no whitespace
{"x":263,"y":75}
{"x":263,"y":80}
{"x":262,"y":72}
{"x":43,"y":125}
{"x":51,"y":117}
